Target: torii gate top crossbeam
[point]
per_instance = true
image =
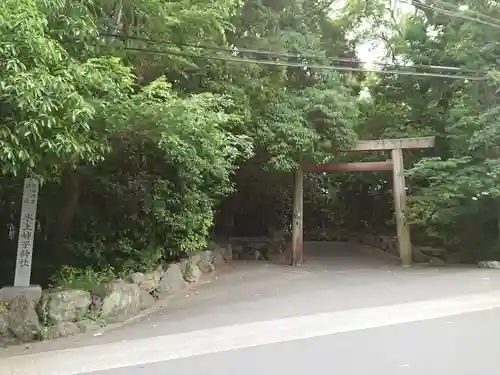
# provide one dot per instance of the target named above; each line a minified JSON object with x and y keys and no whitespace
{"x":391,"y":144}
{"x":350,"y":167}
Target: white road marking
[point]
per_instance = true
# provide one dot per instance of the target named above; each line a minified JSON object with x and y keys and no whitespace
{"x":164,"y":348}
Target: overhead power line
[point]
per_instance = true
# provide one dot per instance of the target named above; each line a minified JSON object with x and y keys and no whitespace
{"x":235,"y":49}
{"x":307,"y":66}
{"x":470,"y":11}
{"x":456,"y":14}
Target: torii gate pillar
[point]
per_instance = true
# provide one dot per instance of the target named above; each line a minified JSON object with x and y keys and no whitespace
{"x":298,"y":218}
{"x":401,"y":212}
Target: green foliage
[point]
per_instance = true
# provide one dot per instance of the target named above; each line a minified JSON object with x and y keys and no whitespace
{"x":455,"y":187}
{"x":449,"y":188}
{"x":53,"y":106}
{"x":68,"y":277}
{"x":309,"y":123}
{"x":140,"y":150}
{"x":132,"y":173}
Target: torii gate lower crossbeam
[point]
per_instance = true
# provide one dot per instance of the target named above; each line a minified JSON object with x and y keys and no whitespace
{"x":396,"y":147}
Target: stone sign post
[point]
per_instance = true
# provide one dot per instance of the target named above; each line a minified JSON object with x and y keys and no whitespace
{"x":26,"y":237}
{"x":26,"y":233}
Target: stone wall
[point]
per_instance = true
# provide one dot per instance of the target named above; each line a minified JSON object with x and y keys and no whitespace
{"x":389,"y":244}
{"x":58,"y":313}
{"x":260,"y":248}
{"x":275,"y":247}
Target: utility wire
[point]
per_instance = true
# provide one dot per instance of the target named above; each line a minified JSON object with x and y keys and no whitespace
{"x":306,"y":66}
{"x":450,"y":13}
{"x":235,"y":49}
{"x":470,"y":11}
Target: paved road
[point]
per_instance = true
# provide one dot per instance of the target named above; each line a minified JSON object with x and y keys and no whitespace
{"x":463,"y":345}
{"x":343,"y":312}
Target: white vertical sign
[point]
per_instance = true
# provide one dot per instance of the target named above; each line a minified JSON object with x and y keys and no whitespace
{"x":26,"y":232}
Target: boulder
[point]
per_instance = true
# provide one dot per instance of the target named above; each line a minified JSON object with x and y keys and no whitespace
{"x":4,"y":326}
{"x":274,"y":248}
{"x":364,"y":239}
{"x":390,"y":245}
{"x":119,"y":300}
{"x":279,"y":234}
{"x":6,"y":336}
{"x":207,"y":256}
{"x":195,"y":258}
{"x":328,"y":235}
{"x":419,"y":256}
{"x":386,"y":242}
{"x":148,"y":281}
{"x":247,"y":254}
{"x":136,"y":278}
{"x":433,"y":251}
{"x":237,"y":251}
{"x":372,"y":240}
{"x":220,"y":256}
{"x":147,"y":300}
{"x":277,"y":240}
{"x":183,"y":264}
{"x":96,"y":305}
{"x":191,"y":271}
{"x":64,"y":306}
{"x":22,"y":319}
{"x":172,"y":281}
{"x":32,"y":292}
{"x":61,"y":329}
{"x":283,"y":256}
{"x":88,"y":325}
{"x":322,"y":236}
{"x":8,"y":339}
{"x":152,"y":280}
{"x":353,"y":239}
{"x":489,"y":264}
{"x":343,"y":236}
{"x":229,"y":253}
{"x":250,"y":251}
{"x":206,"y":261}
{"x":454,"y":258}
{"x":434,"y":261}
{"x":259,"y":249}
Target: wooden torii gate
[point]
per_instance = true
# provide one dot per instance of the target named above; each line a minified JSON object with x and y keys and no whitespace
{"x":395,"y":164}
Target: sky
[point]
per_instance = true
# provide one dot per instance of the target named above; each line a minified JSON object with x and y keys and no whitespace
{"x":372,"y":50}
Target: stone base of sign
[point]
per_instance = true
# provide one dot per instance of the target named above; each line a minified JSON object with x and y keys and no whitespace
{"x":32,"y":292}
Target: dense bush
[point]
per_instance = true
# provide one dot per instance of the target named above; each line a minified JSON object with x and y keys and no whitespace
{"x":143,"y":141}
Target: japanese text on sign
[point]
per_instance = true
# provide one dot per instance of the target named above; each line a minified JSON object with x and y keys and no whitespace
{"x":30,"y":195}
{"x":26,"y":232}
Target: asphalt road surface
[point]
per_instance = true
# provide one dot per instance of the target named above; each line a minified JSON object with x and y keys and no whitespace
{"x":345,"y":312}
{"x":460,"y":345}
